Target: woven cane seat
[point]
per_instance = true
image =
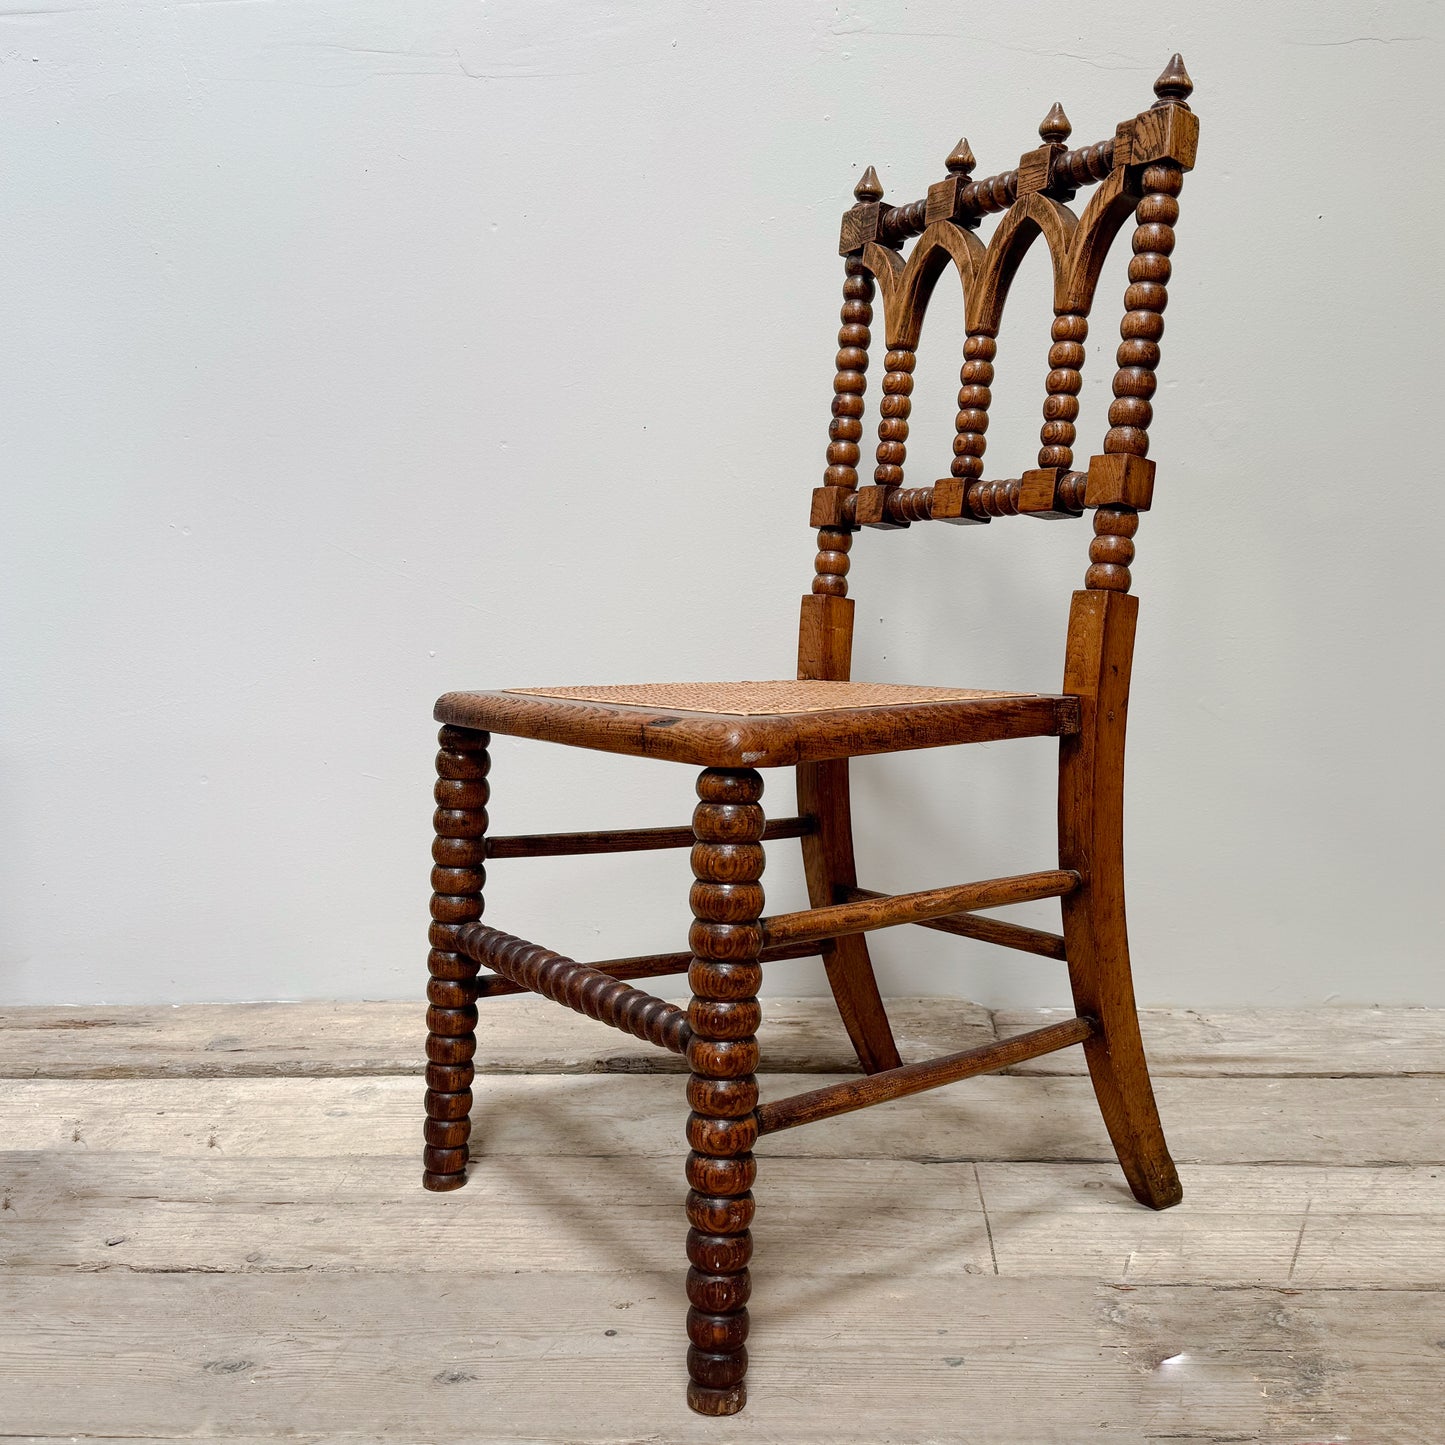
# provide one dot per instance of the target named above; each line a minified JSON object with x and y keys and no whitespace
{"x":759,"y":724}
{"x":759,"y":699}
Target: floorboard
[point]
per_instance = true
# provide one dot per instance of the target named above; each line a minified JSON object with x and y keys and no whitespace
{"x":217,"y":1210}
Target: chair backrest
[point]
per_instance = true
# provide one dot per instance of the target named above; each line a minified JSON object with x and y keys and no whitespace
{"x":1139,"y":171}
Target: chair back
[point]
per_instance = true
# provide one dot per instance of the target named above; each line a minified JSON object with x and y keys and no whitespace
{"x":1138,"y":171}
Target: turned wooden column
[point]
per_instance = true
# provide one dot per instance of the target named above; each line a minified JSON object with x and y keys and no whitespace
{"x":727,"y":901}
{"x":457,"y":880}
{"x":845,"y":431}
{"x":1126,"y":446}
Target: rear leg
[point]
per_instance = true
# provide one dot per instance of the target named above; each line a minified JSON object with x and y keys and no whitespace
{"x":829,"y":866}
{"x":1091,"y":840}
{"x":457,"y":881}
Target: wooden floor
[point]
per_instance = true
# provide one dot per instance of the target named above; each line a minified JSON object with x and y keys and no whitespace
{"x":211,"y":1225}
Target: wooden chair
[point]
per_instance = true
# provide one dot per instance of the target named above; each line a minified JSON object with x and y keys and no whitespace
{"x":816,"y":723}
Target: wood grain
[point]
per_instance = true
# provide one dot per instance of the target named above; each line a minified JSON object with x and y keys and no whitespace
{"x":995,"y":1117}
{"x":780,"y":740}
{"x":529,"y":1035}
{"x":290,"y":1356}
{"x":250,"y":1258}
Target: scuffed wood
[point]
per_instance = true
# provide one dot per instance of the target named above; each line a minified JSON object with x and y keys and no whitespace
{"x":372,"y":1356}
{"x":516,"y":1035}
{"x":800,"y":1035}
{"x":341,"y":1040}
{"x":1216,"y":1121}
{"x":1280,"y":1225}
{"x":1328,"y":1042}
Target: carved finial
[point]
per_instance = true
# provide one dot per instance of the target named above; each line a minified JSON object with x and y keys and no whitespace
{"x":961,"y":160}
{"x":869,"y":188}
{"x":1174,"y":85}
{"x":1056,"y":127}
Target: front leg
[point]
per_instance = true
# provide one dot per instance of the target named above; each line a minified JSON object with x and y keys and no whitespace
{"x":727,"y":901}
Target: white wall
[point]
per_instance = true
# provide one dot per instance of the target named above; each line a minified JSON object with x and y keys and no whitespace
{"x":353,"y":353}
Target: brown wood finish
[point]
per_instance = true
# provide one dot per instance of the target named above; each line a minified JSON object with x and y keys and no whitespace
{"x":898,"y":1083}
{"x":591,"y":991}
{"x":986,"y":930}
{"x":622,"y":840}
{"x":1091,"y":840}
{"x":825,"y":648}
{"x":457,"y":878}
{"x":780,"y":740}
{"x":722,"y":1092}
{"x":815,"y":725}
{"x":888,"y":910}
{"x":647,"y":965}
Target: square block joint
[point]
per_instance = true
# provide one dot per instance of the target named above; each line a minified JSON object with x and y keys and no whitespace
{"x":1039,"y":495}
{"x":830,"y":508}
{"x":943,"y":200}
{"x":950,"y":503}
{"x":861,"y":225}
{"x":1120,"y":479}
{"x":872,"y":510}
{"x":1170,"y":133}
{"x":1034,"y":168}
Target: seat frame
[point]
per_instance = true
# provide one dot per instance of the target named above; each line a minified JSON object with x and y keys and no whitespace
{"x":1139,"y":173}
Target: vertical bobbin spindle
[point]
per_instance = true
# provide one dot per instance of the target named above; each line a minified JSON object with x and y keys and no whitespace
{"x":1141,"y":331}
{"x":975,"y":380}
{"x":724,"y":1014}
{"x":1065,"y":380}
{"x":458,"y":877}
{"x":893,"y":412}
{"x":845,"y":431}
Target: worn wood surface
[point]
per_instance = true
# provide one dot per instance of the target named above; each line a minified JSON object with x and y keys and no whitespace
{"x":800,"y":1035}
{"x":774,"y":740}
{"x":328,"y":1356}
{"x":244,"y":1251}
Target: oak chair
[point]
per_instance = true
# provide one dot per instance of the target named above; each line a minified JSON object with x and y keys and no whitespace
{"x":817,"y":722}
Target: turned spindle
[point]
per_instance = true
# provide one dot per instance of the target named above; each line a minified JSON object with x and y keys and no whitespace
{"x":1141,"y":330}
{"x":457,"y":879}
{"x":845,"y":431}
{"x":1065,"y":380}
{"x":727,"y":901}
{"x":975,"y":380}
{"x":893,"y":411}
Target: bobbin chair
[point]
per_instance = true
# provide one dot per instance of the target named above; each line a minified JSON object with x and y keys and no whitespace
{"x":815,"y":723}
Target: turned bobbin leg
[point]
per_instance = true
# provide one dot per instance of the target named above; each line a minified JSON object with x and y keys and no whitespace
{"x":457,"y":880}
{"x":727,"y":900}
